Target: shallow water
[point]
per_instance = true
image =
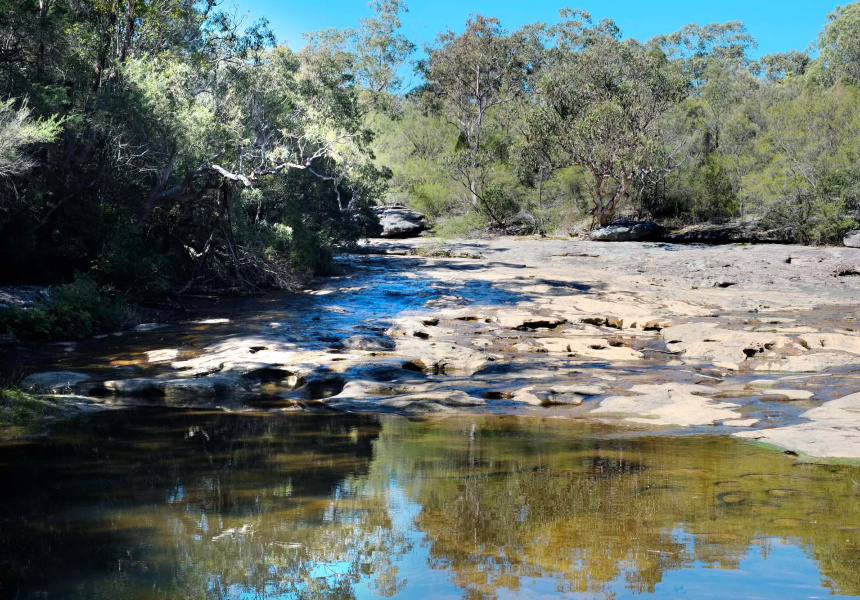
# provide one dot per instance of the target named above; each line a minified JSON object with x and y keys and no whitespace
{"x":152,"y":503}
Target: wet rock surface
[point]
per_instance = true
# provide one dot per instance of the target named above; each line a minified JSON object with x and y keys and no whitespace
{"x":636,"y":334}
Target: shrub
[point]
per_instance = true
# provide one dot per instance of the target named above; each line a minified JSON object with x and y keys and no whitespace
{"x":18,"y":408}
{"x":77,"y":310}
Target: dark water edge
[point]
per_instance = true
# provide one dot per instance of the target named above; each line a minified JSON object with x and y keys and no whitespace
{"x":157,"y":503}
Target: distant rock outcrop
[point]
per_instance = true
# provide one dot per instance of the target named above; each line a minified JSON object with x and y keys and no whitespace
{"x":724,"y":233}
{"x":852,"y":239}
{"x":400,"y":222}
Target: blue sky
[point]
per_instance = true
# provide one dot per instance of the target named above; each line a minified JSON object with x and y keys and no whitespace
{"x":777,"y":25}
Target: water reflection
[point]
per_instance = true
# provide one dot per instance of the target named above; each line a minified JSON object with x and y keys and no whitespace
{"x":159,"y":504}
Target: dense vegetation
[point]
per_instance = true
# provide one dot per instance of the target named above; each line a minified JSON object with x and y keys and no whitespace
{"x":556,"y":126}
{"x":155,"y":146}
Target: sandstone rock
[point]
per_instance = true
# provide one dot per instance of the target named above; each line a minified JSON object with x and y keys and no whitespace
{"x":613,"y":322}
{"x":400,"y":397}
{"x":580,"y":389}
{"x":53,"y":381}
{"x":569,"y":395}
{"x":627,"y":231}
{"x":200,"y":389}
{"x":852,"y":239}
{"x":400,"y":222}
{"x":599,"y":348}
{"x":164,"y":355}
{"x":527,"y":396}
{"x":668,"y":404}
{"x":727,"y":348}
{"x":725,"y":233}
{"x":832,"y":432}
{"x":322,"y":384}
{"x":137,"y":386}
{"x":522,"y":320}
{"x":656,"y":325}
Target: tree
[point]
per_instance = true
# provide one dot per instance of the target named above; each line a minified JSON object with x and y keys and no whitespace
{"x":597,"y":105}
{"x":372,"y":54}
{"x":701,"y":50}
{"x":469,"y":76}
{"x":805,"y":180}
{"x":780,"y":65}
{"x":839,"y":46}
{"x":18,"y":131}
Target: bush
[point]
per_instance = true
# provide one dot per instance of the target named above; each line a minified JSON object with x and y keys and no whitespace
{"x":73,"y":311}
{"x":461,"y":226}
{"x":18,"y":408}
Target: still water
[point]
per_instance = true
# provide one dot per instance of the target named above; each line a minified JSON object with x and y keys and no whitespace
{"x":158,"y":504}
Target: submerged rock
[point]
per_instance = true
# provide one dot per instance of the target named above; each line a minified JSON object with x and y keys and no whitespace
{"x":368,"y":343}
{"x":627,"y":231}
{"x":400,"y":222}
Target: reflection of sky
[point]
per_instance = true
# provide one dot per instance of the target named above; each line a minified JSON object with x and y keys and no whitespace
{"x":783,"y":571}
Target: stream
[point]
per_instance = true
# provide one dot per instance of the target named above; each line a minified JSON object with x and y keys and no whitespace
{"x":489,"y":420}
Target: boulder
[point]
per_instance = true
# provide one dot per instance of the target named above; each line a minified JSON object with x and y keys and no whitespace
{"x":627,"y":231}
{"x":852,"y":239}
{"x":53,"y":381}
{"x":724,"y":233}
{"x":400,"y":222}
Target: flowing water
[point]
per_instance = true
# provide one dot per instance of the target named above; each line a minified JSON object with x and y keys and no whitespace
{"x":156,"y":503}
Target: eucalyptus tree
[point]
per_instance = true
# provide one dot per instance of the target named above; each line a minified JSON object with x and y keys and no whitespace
{"x":703,"y":49}
{"x":373,"y":54}
{"x":597,"y":105}
{"x":838,"y":47}
{"x":779,"y":65}
{"x":469,"y":76}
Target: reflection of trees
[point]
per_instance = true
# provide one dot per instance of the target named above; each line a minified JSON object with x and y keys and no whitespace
{"x":539,"y":498}
{"x":171,"y":505}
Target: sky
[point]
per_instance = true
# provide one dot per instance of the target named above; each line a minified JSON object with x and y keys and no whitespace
{"x":778,"y":25}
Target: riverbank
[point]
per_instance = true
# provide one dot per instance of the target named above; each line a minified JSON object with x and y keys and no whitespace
{"x":761,"y":342}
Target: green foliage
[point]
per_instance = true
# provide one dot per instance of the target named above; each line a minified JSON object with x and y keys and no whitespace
{"x":20,"y":409}
{"x":180,"y":139}
{"x":18,"y":131}
{"x":182,"y":149}
{"x":805,"y":181}
{"x":599,"y":101}
{"x":72,"y":311}
{"x":839,"y":47}
{"x":465,"y":225}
